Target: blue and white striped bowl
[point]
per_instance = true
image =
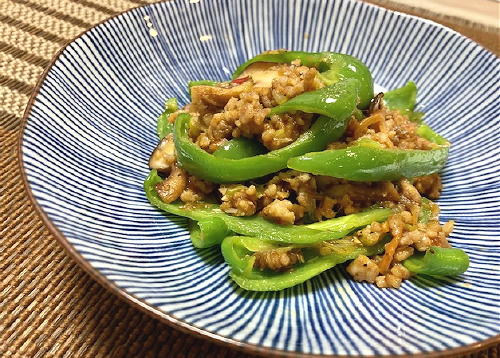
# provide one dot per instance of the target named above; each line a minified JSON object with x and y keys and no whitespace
{"x":91,"y":128}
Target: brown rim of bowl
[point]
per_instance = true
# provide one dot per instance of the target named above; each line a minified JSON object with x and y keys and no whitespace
{"x":157,"y":313}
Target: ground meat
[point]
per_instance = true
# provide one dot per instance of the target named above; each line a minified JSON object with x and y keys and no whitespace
{"x":274,"y":191}
{"x":403,"y":252}
{"x":242,"y":116}
{"x":371,"y":234}
{"x":408,"y":236}
{"x":363,"y":269}
{"x":430,"y":185}
{"x":325,"y":208}
{"x":240,"y":108}
{"x":389,"y":128}
{"x":351,"y":197}
{"x":247,"y":114}
{"x":278,"y":259}
{"x":239,"y":200}
{"x":388,"y":280}
{"x":283,"y":129}
{"x":196,"y":190}
{"x":409,"y":191}
{"x":283,"y":212}
{"x":304,"y":186}
{"x":394,"y":278}
{"x":292,"y":81}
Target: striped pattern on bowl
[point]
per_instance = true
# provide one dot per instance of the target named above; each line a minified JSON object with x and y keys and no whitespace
{"x":92,"y":128}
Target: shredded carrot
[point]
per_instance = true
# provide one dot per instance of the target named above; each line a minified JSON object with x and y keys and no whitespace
{"x":390,"y":250}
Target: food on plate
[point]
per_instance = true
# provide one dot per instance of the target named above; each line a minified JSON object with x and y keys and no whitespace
{"x":294,"y":166}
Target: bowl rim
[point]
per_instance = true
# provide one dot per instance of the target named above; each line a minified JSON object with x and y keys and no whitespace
{"x":150,"y":309}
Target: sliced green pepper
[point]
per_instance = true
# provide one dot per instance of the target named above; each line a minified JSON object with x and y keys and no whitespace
{"x":209,"y":214}
{"x":403,"y":98}
{"x":322,"y":101}
{"x":239,"y":148}
{"x":251,"y":225}
{"x":237,"y":252}
{"x":208,"y":232}
{"x":200,"y":83}
{"x":333,"y":67}
{"x":426,"y":132}
{"x":163,"y":126}
{"x":368,"y":162}
{"x":353,"y":221}
{"x":223,"y":170}
{"x":346,"y":223}
{"x":438,"y":261}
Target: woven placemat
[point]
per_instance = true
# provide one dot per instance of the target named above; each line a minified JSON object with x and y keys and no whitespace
{"x":49,"y":307}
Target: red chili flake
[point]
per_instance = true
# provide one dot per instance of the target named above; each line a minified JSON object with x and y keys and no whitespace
{"x":239,"y":81}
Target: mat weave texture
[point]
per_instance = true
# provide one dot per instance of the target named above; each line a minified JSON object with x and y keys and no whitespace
{"x":49,"y":307}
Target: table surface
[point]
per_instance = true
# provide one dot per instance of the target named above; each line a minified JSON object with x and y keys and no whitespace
{"x":48,"y":305}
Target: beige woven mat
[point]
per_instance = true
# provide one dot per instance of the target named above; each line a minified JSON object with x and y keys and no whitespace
{"x":49,"y":307}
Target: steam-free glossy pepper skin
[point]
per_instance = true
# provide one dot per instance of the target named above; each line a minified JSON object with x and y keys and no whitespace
{"x":239,"y":148}
{"x":367,"y":161}
{"x":208,"y":232}
{"x":438,"y":261}
{"x":403,"y":98}
{"x":237,"y":252}
{"x":353,"y":221}
{"x":333,"y":67}
{"x":324,"y":130}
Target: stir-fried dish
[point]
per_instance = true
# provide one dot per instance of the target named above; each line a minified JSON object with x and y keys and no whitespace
{"x":294,"y":166}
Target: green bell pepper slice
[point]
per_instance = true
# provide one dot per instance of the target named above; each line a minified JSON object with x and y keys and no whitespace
{"x":208,"y":232}
{"x":322,"y":101}
{"x":224,"y":170}
{"x":438,"y":261}
{"x":163,"y":126}
{"x":344,"y":224}
{"x":367,"y":161}
{"x":237,"y":252}
{"x":333,"y":68}
{"x":353,"y":221}
{"x":250,"y":225}
{"x":239,"y":148}
{"x":404,"y":100}
{"x":214,"y":224}
{"x":426,"y":132}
